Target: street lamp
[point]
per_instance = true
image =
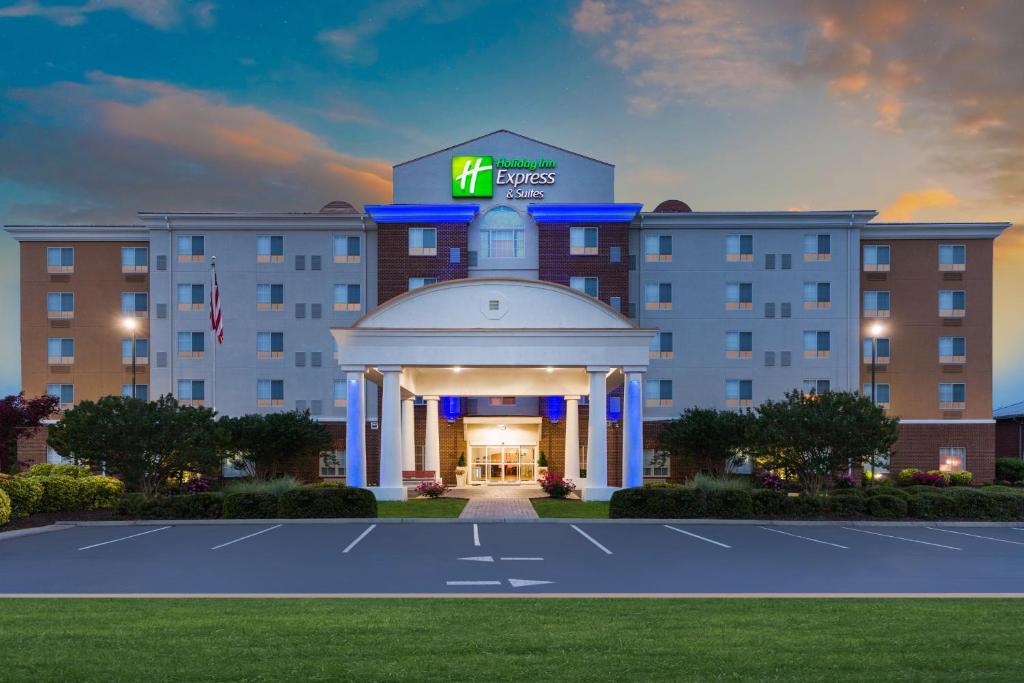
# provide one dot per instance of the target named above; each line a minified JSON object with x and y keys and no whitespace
{"x":876,"y":330}
{"x":131,"y":324}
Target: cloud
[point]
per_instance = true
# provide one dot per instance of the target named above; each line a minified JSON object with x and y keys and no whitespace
{"x":159,"y":14}
{"x":112,"y":146}
{"x":907,"y":205}
{"x":593,"y":16}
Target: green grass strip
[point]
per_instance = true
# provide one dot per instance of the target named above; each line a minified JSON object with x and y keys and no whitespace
{"x":421,"y":507}
{"x":553,"y":507}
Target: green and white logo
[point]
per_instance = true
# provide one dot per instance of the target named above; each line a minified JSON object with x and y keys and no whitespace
{"x":472,"y":176}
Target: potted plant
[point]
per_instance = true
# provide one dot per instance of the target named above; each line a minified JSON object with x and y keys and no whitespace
{"x":542,"y":465}
{"x":460,"y":471}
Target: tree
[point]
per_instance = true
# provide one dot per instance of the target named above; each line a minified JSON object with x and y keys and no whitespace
{"x":147,"y":443}
{"x":710,"y":440}
{"x":20,"y":418}
{"x":813,"y":436}
{"x":265,"y":444}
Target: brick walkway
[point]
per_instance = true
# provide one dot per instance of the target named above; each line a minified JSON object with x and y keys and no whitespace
{"x":501,"y":508}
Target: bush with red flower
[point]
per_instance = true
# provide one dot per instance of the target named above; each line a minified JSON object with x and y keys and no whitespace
{"x":555,"y":486}
{"x":770,"y":481}
{"x":432,"y":489}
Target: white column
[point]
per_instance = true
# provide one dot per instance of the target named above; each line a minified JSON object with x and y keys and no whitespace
{"x":432,"y":442}
{"x":632,"y":429}
{"x":597,"y":437}
{"x":408,"y":434}
{"x":355,"y":427}
{"x":390,"y":487}
{"x":572,"y":438}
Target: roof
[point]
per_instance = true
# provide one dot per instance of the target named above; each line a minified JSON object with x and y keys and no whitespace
{"x":1008,"y":411}
{"x":510,"y":132}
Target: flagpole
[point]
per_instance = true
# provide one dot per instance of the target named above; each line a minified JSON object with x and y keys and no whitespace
{"x":213,"y":333}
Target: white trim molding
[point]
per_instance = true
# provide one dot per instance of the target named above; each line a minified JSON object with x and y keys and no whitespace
{"x":929,"y":231}
{"x":945,"y":422}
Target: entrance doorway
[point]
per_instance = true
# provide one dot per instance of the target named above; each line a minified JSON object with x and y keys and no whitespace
{"x":502,"y":465}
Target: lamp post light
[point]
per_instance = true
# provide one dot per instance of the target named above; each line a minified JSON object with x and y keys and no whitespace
{"x":131,"y":324}
{"x":876,"y":330}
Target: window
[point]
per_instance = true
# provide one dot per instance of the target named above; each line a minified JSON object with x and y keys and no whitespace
{"x":877,"y":305}
{"x":422,"y":242}
{"x":658,"y":297}
{"x":952,"y":304}
{"x":191,"y":344}
{"x":346,"y":249}
{"x":315,"y":262}
{"x":340,"y":393}
{"x":952,"y":349}
{"x":816,"y":386}
{"x":60,"y":260}
{"x":191,"y":247}
{"x":417,"y":282}
{"x":134,"y":259}
{"x":661,"y":345}
{"x":787,"y":261}
{"x":881,"y":350}
{"x":952,"y":396}
{"x":501,"y":401}
{"x":269,"y":392}
{"x":739,"y":296}
{"x":135,"y":304}
{"x":332,"y":464}
{"x":876,"y":258}
{"x":952,"y":257}
{"x":739,"y":393}
{"x":269,"y":249}
{"x":269,"y":297}
{"x":141,"y":351}
{"x":60,"y":305}
{"x":952,"y":459}
{"x":191,"y":392}
{"x":346,"y":297}
{"x":270,"y":344}
{"x":659,"y":393}
{"x":60,"y":351}
{"x":818,"y":247}
{"x":65,"y":393}
{"x":583,"y":241}
{"x":817,"y":295}
{"x":587,"y":285}
{"x":739,"y":344}
{"x":141,"y":391}
{"x":881,"y":394}
{"x":658,"y":248}
{"x":508,"y":243}
{"x":656,"y":464}
{"x":739,"y":248}
{"x":191,"y":297}
{"x":817,"y":344}
{"x":769,"y":261}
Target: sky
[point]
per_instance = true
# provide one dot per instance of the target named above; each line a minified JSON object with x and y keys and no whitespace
{"x":911,"y":107}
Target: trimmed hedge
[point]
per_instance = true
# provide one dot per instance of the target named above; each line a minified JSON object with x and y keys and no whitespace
{"x":61,"y":493}
{"x":901,"y":493}
{"x":887,"y":507}
{"x":46,"y":469}
{"x":657,"y":502}
{"x":250,"y":506}
{"x":729,"y":503}
{"x":100,"y":492}
{"x":933,"y":505}
{"x":24,"y":492}
{"x":845,"y":506}
{"x":5,"y":508}
{"x":768,"y":502}
{"x":326,"y":502}
{"x":804,"y":505}
{"x":1010,"y":469}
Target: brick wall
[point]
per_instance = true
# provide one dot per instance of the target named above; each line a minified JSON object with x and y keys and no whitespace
{"x":395,"y":266}
{"x":1009,"y":439}
{"x":918,"y":446}
{"x":32,"y":450}
{"x":555,"y":264}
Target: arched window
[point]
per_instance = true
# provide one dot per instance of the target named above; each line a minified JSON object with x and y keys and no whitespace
{"x":502,"y":233}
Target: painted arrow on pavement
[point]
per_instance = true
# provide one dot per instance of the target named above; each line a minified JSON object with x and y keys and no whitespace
{"x":484,"y":558}
{"x":520,"y":583}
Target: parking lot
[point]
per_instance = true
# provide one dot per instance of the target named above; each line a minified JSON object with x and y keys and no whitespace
{"x":510,"y":558}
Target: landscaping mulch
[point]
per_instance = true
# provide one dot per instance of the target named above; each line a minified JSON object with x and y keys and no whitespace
{"x":47,"y":518}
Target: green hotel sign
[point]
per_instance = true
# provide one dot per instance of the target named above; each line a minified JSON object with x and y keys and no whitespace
{"x":477,"y":176}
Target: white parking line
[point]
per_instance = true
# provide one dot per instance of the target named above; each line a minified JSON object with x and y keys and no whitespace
{"x":124,"y":538}
{"x":473,"y":583}
{"x":245,"y":537}
{"x":359,"y":538}
{"x":987,"y":538}
{"x":696,"y":536}
{"x":590,"y":538}
{"x":1016,"y":528}
{"x":476,"y":535}
{"x":901,"y":538}
{"x":522,"y":559}
{"x":812,"y":540}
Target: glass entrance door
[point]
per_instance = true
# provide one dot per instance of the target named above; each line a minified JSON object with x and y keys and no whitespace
{"x":497,"y":465}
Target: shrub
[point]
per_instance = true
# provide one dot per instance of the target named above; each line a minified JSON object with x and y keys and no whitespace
{"x":888,"y":491}
{"x":975,"y":504}
{"x":845,"y":506}
{"x":729,"y":503}
{"x":205,"y":505}
{"x":101,"y":492}
{"x":843,"y":481}
{"x":246,"y":505}
{"x":62,"y":493}
{"x":860,"y":493}
{"x":327,"y":502}
{"x":961,"y":478}
{"x":708,"y":483}
{"x":905,"y":477}
{"x":5,"y":508}
{"x":931,"y":504}
{"x":1010,"y":470}
{"x":198,"y":506}
{"x":46,"y":469}
{"x":555,"y":486}
{"x":130,"y":505}
{"x":24,"y":492}
{"x":767,"y":503}
{"x":931,"y":478}
{"x":434,"y":489}
{"x":629,"y":503}
{"x":804,"y":505}
{"x":769,"y":480}
{"x":887,"y":507}
{"x":274,"y":487}
{"x":657,"y":502}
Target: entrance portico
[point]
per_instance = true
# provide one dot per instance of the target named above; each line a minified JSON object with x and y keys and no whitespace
{"x":493,"y":337}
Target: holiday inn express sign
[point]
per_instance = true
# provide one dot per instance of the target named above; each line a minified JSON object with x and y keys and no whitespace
{"x":478,"y":176}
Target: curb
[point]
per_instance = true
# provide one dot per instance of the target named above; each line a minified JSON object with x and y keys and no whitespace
{"x":520,"y":520}
{"x":17,"y":533}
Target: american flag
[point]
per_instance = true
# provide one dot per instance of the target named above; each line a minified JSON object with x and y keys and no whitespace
{"x":216,"y":322}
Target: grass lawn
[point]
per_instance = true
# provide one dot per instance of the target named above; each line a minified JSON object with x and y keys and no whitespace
{"x":511,"y":640}
{"x":421,"y":507}
{"x":553,"y":507}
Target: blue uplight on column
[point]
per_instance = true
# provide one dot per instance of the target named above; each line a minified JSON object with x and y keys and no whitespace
{"x":614,"y":408}
{"x":451,"y":408}
{"x":554,"y":407}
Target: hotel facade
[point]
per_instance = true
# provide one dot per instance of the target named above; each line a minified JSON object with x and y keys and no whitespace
{"x":506,"y":311}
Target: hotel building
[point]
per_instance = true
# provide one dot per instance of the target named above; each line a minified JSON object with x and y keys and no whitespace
{"x":504,"y":306}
